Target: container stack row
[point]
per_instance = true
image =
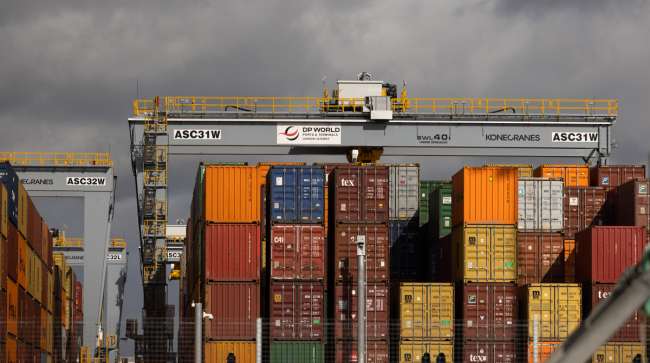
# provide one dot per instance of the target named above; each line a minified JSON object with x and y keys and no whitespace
{"x":38,"y":319}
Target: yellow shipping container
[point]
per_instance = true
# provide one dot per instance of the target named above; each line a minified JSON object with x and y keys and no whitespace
{"x":22,"y":262}
{"x":231,"y":194}
{"x":412,"y":351}
{"x":44,"y":329}
{"x":574,"y":175}
{"x":426,"y":311}
{"x":22,"y":210}
{"x":50,"y":333}
{"x":619,"y":353}
{"x":485,"y":195}
{"x":485,"y":253}
{"x":556,"y":308}
{"x":524,"y":170}
{"x":217,"y":352}
{"x":543,"y":352}
{"x":50,"y":291}
{"x":4,"y":216}
{"x":65,"y":309}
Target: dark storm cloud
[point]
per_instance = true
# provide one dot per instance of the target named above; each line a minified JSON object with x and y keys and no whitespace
{"x":69,"y":69}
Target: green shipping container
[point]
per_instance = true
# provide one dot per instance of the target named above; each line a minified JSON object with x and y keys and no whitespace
{"x":426,"y":188}
{"x":297,"y":351}
{"x":440,"y":211}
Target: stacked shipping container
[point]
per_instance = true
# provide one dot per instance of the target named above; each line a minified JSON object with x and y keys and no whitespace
{"x":437,"y":232}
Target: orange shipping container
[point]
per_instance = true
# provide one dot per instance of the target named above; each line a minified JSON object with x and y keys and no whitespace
{"x":44,"y":329}
{"x":574,"y":175}
{"x":228,"y":194}
{"x":12,"y":307}
{"x":485,"y":195}
{"x":22,"y":262}
{"x":569,"y":260}
{"x":542,"y":350}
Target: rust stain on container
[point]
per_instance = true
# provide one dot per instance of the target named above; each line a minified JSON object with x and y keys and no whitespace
{"x":490,"y":311}
{"x":231,"y":194}
{"x":485,"y":195}
{"x":235,"y":307}
{"x":574,"y":175}
{"x":232,"y":252}
{"x":361,"y":194}
{"x":298,"y":252}
{"x":297,"y":310}
{"x":540,"y":257}
{"x":583,"y":207}
{"x":603,"y":253}
{"x":628,"y":332}
{"x":377,"y":251}
{"x":377,"y":311}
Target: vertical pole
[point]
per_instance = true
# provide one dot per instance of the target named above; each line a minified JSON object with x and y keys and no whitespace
{"x":361,"y":295}
{"x":535,"y":339}
{"x":198,"y":332}
{"x":258,"y":341}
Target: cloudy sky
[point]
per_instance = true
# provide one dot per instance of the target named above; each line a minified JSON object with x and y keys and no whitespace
{"x":70,"y":69}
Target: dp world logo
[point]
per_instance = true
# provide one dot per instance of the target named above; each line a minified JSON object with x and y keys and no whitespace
{"x":291,"y":133}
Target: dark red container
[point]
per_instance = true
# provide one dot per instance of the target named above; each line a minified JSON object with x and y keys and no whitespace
{"x":235,"y":307}
{"x":540,"y":257}
{"x":360,"y":194}
{"x":633,"y":204}
{"x":489,"y":311}
{"x":3,"y":315}
{"x":377,"y":251}
{"x":11,"y":252}
{"x":603,"y":253}
{"x":583,"y":207}
{"x":631,"y":330}
{"x":376,"y":351}
{"x":78,"y":296}
{"x":490,"y":352}
{"x":377,"y":310}
{"x":232,"y":252}
{"x":611,"y":176}
{"x":297,"y":310}
{"x":297,"y":252}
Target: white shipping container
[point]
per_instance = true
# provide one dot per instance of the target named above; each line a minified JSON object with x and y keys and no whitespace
{"x":540,"y":204}
{"x":404,"y":194}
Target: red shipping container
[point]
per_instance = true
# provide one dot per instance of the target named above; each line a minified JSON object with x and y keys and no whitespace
{"x":540,"y":257}
{"x":3,"y":315}
{"x":490,"y":352}
{"x":631,"y":330}
{"x":377,"y":251}
{"x":583,"y":207}
{"x":11,"y":252}
{"x":297,"y":310}
{"x":78,"y":296}
{"x":376,"y":351}
{"x":489,"y":311}
{"x":603,"y":253}
{"x":298,"y":252}
{"x":611,"y":176}
{"x":634,"y":204}
{"x":360,"y":194}
{"x":232,"y":252}
{"x":377,"y":311}
{"x":235,"y":307}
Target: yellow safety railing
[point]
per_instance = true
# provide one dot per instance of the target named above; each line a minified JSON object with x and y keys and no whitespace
{"x":57,"y":158}
{"x":453,"y":106}
{"x":118,"y":243}
{"x":68,"y":242}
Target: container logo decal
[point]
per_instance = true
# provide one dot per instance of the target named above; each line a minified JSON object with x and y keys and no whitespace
{"x":93,"y":181}
{"x":196,"y":134}
{"x":308,"y":134}
{"x":477,"y":358}
{"x":573,"y":136}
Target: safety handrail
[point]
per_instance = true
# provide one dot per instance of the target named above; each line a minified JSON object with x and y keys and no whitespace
{"x":57,"y":158}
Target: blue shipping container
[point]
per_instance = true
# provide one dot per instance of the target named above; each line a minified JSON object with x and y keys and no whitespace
{"x":296,"y":194}
{"x":9,"y":178}
{"x":404,"y":251}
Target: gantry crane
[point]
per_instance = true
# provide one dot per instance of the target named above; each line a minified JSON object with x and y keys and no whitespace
{"x":363,"y":119}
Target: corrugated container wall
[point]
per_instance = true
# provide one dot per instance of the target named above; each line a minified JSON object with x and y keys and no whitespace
{"x":404,"y":184}
{"x":235,"y":307}
{"x":569,"y":260}
{"x":298,"y":252}
{"x":297,"y":310}
{"x":440,"y":211}
{"x":227,"y":194}
{"x":620,"y":353}
{"x":217,"y":352}
{"x":360,"y":194}
{"x":377,"y":311}
{"x":232,"y":252}
{"x":377,"y":251}
{"x":439,"y":351}
{"x":297,"y":351}
{"x":574,"y":175}
{"x":557,"y":308}
{"x":404,"y":250}
{"x":485,"y":195}
{"x":11,"y":181}
{"x":583,"y":207}
{"x":628,"y":332}
{"x":603,"y":253}
{"x":346,"y":351}
{"x":540,"y":352}
{"x":485,"y":253}
{"x":490,"y":352}
{"x":610,"y":177}
{"x":4,"y":208}
{"x":540,"y":257}
{"x":296,"y":194}
{"x":426,"y":188}
{"x":634,"y":204}
{"x":489,"y":311}
{"x":524,"y":170}
{"x":540,"y":204}
{"x":426,"y":311}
